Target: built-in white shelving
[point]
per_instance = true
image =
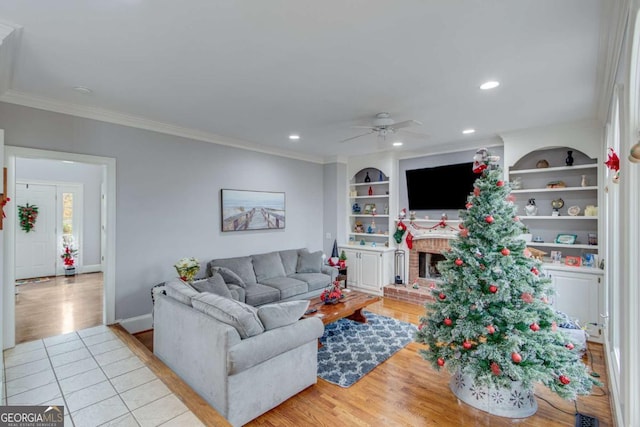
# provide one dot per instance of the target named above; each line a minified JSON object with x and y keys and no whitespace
{"x":555,"y":190}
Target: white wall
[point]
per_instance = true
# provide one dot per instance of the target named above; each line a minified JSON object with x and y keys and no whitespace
{"x":433,"y":161}
{"x":91,"y":178}
{"x":168,"y":195}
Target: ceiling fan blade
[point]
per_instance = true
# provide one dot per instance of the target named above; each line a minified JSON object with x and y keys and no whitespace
{"x":357,"y":136}
{"x":405,"y":124}
{"x":361,"y":127}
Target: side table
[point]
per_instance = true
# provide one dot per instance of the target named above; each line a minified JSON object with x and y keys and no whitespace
{"x":342,"y":275}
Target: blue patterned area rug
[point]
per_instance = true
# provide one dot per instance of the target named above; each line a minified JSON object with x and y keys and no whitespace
{"x":350,"y":350}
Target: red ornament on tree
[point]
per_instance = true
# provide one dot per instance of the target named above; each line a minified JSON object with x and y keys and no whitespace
{"x":493,"y":289}
{"x":448,"y":321}
{"x":491,"y":329}
{"x":464,"y":233}
{"x":476,"y":191}
{"x":469,"y":205}
{"x":500,"y":183}
{"x":510,"y":198}
{"x":564,"y":380}
{"x":535,"y":271}
{"x":440,"y":361}
{"x":526,"y":297}
{"x":442,"y":296}
{"x":489,"y":219}
{"x":534,"y":327}
{"x":467,"y":345}
{"x":505,"y":251}
{"x":458,"y":262}
{"x":516,"y":357}
{"x":495,"y":368}
{"x":570,"y":346}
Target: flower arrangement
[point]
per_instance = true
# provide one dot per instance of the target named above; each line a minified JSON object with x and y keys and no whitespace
{"x":27,"y":215}
{"x":332,"y":293}
{"x":187,"y":268}
{"x":68,"y":254}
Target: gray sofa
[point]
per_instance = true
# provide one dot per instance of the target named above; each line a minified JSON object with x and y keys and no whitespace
{"x":241,"y":370}
{"x":275,"y":276}
{"x":210,"y":337}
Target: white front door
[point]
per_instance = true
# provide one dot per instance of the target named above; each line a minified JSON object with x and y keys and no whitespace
{"x":36,"y":253}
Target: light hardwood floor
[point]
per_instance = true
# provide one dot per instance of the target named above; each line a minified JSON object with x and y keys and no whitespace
{"x":406,"y":391}
{"x":58,"y":306}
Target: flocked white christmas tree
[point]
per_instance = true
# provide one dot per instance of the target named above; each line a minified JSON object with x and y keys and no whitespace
{"x":491,"y":317}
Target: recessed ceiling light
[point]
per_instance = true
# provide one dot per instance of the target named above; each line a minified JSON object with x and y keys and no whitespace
{"x":491,"y":84}
{"x":67,"y":161}
{"x":294,"y":137}
{"x":468,"y":131}
{"x":83,"y":90}
{"x":397,"y":143}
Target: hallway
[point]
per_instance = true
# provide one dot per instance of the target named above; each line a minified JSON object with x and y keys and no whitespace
{"x":58,"y":306}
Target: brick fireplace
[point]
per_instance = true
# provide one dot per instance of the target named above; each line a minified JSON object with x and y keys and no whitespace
{"x":423,"y":256}
{"x":419,"y":264}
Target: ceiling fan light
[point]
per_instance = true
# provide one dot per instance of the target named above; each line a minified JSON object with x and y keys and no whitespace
{"x":294,"y":137}
{"x":397,"y":143}
{"x":491,"y":84}
{"x":468,"y":131}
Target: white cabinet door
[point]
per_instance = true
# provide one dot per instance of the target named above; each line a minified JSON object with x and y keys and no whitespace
{"x":370,"y":271}
{"x":578,"y":295}
{"x":353,"y":267}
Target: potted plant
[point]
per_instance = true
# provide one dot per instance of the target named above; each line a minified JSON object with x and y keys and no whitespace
{"x":68,"y":256}
{"x":342,"y":261}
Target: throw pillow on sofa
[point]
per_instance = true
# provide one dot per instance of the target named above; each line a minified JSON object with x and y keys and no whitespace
{"x":214,"y":284}
{"x":229,"y":276}
{"x":181,"y":291}
{"x":267,"y":266}
{"x":309,"y":262}
{"x":241,"y":316}
{"x":282,"y":314}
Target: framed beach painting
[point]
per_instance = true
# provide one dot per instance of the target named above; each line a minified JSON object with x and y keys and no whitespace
{"x":244,"y":210}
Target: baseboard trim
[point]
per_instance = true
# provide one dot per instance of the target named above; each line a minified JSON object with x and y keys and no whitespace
{"x":137,"y":324}
{"x":93,"y":268}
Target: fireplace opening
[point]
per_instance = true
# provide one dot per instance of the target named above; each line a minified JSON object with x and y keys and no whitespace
{"x":428,"y":265}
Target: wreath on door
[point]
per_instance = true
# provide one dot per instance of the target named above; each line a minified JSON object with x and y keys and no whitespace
{"x":27,"y":215}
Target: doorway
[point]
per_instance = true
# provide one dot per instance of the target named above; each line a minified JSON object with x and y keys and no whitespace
{"x":36,"y":234}
{"x":106,"y":229}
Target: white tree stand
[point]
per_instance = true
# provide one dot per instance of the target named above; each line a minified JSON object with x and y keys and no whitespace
{"x":514,"y":402}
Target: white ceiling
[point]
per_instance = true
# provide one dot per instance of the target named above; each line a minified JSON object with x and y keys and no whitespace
{"x":251,"y":72}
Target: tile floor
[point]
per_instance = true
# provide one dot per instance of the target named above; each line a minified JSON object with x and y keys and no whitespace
{"x":96,"y":377}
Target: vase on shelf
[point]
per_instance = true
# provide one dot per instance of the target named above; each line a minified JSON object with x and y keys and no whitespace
{"x":366,"y":178}
{"x":531,"y":209}
{"x":370,"y":191}
{"x":380,"y":177}
{"x":584,"y":182}
{"x":569,"y":159}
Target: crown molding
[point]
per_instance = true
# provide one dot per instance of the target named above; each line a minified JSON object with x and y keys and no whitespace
{"x":454,"y":147}
{"x":109,"y":116}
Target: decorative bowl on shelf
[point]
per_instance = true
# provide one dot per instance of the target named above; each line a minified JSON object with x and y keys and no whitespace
{"x":573,"y":210}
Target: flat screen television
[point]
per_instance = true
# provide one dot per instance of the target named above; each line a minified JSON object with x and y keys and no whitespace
{"x":441,"y":187}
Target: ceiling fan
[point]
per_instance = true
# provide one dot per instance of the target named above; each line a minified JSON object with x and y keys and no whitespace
{"x":383,"y":125}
